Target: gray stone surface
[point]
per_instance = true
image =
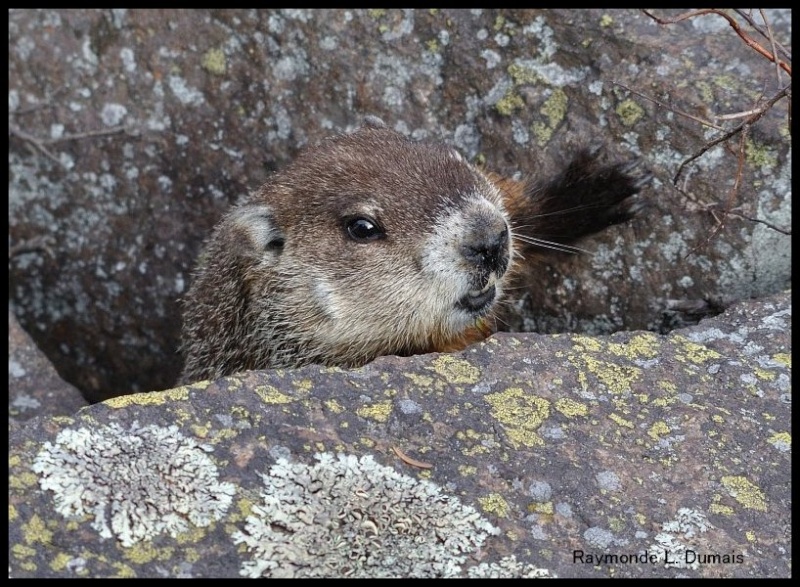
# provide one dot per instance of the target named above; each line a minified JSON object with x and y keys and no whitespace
{"x":198,"y":107}
{"x":34,"y":386}
{"x":541,"y":447}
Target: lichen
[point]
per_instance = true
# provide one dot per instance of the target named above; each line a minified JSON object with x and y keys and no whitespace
{"x":677,"y":537}
{"x":507,"y":567}
{"x":629,"y":112}
{"x":134,"y":483}
{"x":214,"y":61}
{"x":345,"y":516}
{"x":745,"y":492}
{"x":520,"y":414}
{"x":456,"y":370}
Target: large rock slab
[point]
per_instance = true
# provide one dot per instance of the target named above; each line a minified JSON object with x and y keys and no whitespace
{"x":132,"y":131}
{"x":630,"y":455}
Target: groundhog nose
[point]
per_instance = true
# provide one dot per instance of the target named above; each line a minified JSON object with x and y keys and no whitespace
{"x":488,"y":250}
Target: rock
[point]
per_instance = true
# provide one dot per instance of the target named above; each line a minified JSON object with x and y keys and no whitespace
{"x":34,"y":387}
{"x":132,"y":131}
{"x":525,"y":455}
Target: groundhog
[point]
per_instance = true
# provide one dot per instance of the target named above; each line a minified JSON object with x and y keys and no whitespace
{"x":371,"y":244}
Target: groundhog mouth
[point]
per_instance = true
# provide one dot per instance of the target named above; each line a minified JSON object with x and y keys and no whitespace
{"x":478,"y":301}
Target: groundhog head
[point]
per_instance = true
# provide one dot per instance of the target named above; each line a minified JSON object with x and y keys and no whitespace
{"x":367,"y":244}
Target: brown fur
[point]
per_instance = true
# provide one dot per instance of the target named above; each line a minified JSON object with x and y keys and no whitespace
{"x":293,"y":276}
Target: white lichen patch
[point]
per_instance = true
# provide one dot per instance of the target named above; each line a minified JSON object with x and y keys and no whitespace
{"x":345,"y":516}
{"x":677,"y":537}
{"x":507,"y":567}
{"x":135,"y":483}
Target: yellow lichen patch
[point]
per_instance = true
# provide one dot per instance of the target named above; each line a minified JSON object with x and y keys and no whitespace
{"x":750,"y":535}
{"x":509,"y":103}
{"x":475,"y":450}
{"x":456,"y":370}
{"x":214,"y":61}
{"x":582,"y":379}
{"x":192,"y":535}
{"x":521,"y":414}
{"x":717,"y":418}
{"x":783,"y":359}
{"x":658,"y":430}
{"x":616,"y":378}
{"x":368,"y":442}
{"x":144,"y":552}
{"x":621,"y":421}
{"x":22,"y":480}
{"x":745,"y":492}
{"x":570,"y":408}
{"x":13,"y":514}
{"x":759,"y":154}
{"x":379,"y":411}
{"x":59,"y":562}
{"x":616,"y":524}
{"x":629,"y":112}
{"x":555,"y":107}
{"x":271,"y":395}
{"x":154,"y":398}
{"x":696,"y":353}
{"x":467,"y":470}
{"x":588,"y":343}
{"x":494,"y":503}
{"x":781,"y":440}
{"x":304,"y":385}
{"x":542,"y":132}
{"x":244,"y":507}
{"x":35,"y":531}
{"x":201,"y":431}
{"x":722,"y":510}
{"x":334,"y":406}
{"x":668,"y":386}
{"x":541,"y":508}
{"x":606,"y":20}
{"x":123,"y":571}
{"x":20,"y":551}
{"x":191,"y":555}
{"x":420,"y":380}
{"x":522,"y":75}
{"x":641,"y":346}
{"x":764,"y":375}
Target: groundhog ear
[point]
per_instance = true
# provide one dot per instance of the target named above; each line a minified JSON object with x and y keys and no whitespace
{"x":372,"y":121}
{"x":254,"y":226}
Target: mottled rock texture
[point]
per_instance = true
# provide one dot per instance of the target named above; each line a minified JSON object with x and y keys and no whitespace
{"x":132,"y":131}
{"x":542,"y":447}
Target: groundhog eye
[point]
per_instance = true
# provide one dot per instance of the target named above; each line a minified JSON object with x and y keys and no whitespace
{"x":363,"y":229}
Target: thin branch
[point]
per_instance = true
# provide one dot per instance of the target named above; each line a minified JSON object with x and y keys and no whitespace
{"x":33,"y":245}
{"x":33,"y":143}
{"x":772,"y":42}
{"x":670,"y":107}
{"x":748,"y":40}
{"x":786,"y":91}
{"x":774,"y":227}
{"x":767,"y":35}
{"x":40,"y":144}
{"x":736,"y":115}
